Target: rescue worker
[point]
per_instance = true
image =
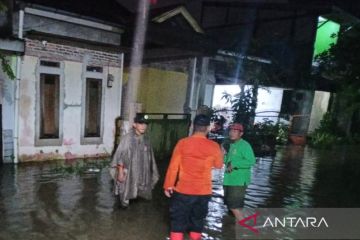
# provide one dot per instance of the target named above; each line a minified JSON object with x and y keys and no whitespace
{"x":188,"y":180}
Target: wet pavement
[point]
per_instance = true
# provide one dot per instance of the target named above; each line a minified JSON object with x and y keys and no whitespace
{"x":52,"y":201}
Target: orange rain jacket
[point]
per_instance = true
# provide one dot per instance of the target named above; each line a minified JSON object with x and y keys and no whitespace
{"x":190,"y":166}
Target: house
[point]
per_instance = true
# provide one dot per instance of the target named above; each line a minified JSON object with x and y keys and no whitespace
{"x":67,"y":92}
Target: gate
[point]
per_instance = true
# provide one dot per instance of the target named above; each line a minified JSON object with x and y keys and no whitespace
{"x":164,"y":130}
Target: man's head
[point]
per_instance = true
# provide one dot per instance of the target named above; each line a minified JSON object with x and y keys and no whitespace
{"x":140,"y":124}
{"x":236,"y":131}
{"x":201,"y":123}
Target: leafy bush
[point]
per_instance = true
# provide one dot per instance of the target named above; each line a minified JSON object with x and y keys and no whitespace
{"x":283,"y":133}
{"x":278,"y":130}
{"x":322,"y":140}
{"x":327,"y":134}
{"x":329,"y":124}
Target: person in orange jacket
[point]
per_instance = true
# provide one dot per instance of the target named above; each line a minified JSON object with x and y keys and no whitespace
{"x":188,"y":180}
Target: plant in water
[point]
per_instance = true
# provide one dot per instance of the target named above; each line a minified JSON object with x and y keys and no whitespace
{"x":278,"y":131}
{"x":81,"y":166}
{"x":322,"y":140}
{"x":327,"y":134}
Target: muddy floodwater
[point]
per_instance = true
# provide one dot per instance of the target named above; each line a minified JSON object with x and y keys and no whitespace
{"x":59,"y":201}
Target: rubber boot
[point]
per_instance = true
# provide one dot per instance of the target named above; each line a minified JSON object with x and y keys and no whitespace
{"x":176,"y":236}
{"x":195,"y":236}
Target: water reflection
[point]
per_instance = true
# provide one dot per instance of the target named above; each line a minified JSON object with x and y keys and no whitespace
{"x":336,"y":178}
{"x":37,"y":202}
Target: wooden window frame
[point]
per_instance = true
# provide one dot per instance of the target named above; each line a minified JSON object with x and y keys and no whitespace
{"x":59,"y":71}
{"x":89,"y":101}
{"x":87,"y":140}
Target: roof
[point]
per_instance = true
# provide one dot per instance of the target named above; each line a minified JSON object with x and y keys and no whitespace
{"x":283,"y":30}
{"x":172,"y":13}
{"x":105,"y":10}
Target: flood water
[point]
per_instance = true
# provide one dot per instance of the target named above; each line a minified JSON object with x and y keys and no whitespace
{"x":38,"y":201}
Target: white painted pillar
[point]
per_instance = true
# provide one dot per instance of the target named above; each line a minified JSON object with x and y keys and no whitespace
{"x":191,"y":86}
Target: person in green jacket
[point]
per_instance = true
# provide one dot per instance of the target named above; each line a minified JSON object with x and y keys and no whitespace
{"x":238,"y":162}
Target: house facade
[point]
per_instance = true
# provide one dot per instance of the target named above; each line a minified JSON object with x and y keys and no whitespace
{"x":69,"y":99}
{"x":67,"y":92}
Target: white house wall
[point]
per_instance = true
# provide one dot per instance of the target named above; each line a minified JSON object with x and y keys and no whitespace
{"x":73,"y":61}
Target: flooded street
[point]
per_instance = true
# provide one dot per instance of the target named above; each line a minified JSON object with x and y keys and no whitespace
{"x":37,"y":201}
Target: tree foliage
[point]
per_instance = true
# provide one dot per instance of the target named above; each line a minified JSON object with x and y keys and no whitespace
{"x":341,"y":64}
{"x":2,"y":7}
{"x":256,"y":73}
{"x":5,"y":65}
{"x":243,"y":105}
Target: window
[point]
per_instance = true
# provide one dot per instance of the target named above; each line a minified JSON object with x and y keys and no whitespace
{"x":50,"y":64}
{"x":94,"y":69}
{"x":93,"y":107}
{"x":49,"y":106}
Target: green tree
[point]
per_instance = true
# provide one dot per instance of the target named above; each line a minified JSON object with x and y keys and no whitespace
{"x":5,"y":65}
{"x":2,"y":7}
{"x":341,"y":64}
{"x":257,"y":73}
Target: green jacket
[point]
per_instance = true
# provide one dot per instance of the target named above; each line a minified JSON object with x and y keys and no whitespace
{"x":242,"y":158}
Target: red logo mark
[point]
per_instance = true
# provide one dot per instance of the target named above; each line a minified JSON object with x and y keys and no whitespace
{"x":251,"y":228}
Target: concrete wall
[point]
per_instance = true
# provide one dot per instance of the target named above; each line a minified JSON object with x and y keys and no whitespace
{"x":162,"y":87}
{"x":73,"y":62}
{"x":319,"y":108}
{"x":162,"y":91}
{"x":303,"y":99}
